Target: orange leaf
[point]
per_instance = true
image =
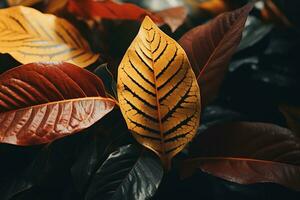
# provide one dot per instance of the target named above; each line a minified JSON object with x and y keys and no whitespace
{"x":42,"y":102}
{"x":108,"y":9}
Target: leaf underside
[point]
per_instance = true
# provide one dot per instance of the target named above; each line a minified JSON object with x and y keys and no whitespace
{"x":43,"y":102}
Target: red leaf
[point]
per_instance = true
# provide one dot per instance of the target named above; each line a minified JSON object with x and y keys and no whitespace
{"x":211,"y":46}
{"x":108,"y":9}
{"x":42,"y":102}
{"x":245,"y":153}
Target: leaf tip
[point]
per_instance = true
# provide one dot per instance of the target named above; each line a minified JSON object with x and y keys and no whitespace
{"x":147,"y":22}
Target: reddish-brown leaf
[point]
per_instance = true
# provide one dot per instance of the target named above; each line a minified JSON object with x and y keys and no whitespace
{"x":247,"y":152}
{"x":173,"y":17}
{"x":41,"y":102}
{"x":108,"y":9}
{"x":211,"y":46}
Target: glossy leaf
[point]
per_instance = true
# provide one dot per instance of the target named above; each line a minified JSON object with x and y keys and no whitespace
{"x":158,"y":93}
{"x":42,"y":102}
{"x":108,"y":9}
{"x":30,"y":36}
{"x":173,"y":17}
{"x":128,"y":173}
{"x":211,"y":46}
{"x":247,"y":152}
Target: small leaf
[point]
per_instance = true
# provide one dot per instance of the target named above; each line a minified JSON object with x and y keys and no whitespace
{"x":22,"y":2}
{"x":255,"y":30}
{"x":211,"y":46}
{"x":108,"y":9}
{"x":158,"y":93}
{"x":42,"y":102}
{"x":271,"y":12}
{"x":173,"y":17}
{"x":247,"y":152}
{"x":128,"y":173}
{"x":292,"y":116}
{"x":215,"y":7}
{"x":30,"y":36}
{"x":107,"y":77}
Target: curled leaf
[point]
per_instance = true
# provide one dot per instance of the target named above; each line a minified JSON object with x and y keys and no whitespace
{"x":247,"y":152}
{"x":211,"y":46}
{"x":158,"y":92}
{"x":42,"y":102}
{"x":30,"y":36}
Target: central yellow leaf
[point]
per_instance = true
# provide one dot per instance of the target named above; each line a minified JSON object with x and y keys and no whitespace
{"x":158,"y":92}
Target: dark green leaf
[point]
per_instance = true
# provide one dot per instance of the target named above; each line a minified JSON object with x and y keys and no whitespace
{"x":129,"y":173}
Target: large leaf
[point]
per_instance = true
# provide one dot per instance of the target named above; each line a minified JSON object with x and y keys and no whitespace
{"x":210,"y":48}
{"x":158,"y":92}
{"x":42,"y":102}
{"x":247,"y":152}
{"x":108,"y":9}
{"x":128,"y":173}
{"x":30,"y":36}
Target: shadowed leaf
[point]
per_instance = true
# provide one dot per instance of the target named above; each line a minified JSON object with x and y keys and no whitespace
{"x":210,"y":48}
{"x":247,"y":152}
{"x":128,"y":173}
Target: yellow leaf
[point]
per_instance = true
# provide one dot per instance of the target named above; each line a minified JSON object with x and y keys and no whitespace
{"x":30,"y":36}
{"x":22,"y":2}
{"x":158,"y":92}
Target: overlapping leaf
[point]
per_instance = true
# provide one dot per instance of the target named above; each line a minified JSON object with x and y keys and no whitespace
{"x":108,"y":9}
{"x":173,"y":17}
{"x":158,"y":92}
{"x":247,"y":152}
{"x":43,"y":102}
{"x":211,"y":46}
{"x":128,"y":173}
{"x":30,"y":36}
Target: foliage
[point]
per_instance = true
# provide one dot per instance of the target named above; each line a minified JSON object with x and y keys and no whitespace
{"x":118,"y":100}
